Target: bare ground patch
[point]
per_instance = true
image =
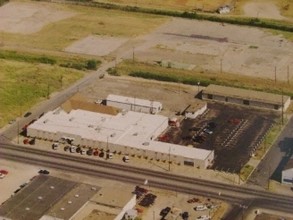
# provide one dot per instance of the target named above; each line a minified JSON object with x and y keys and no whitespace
{"x":216,"y":47}
{"x":96,"y":45}
{"x":262,"y":10}
{"x":27,"y":18}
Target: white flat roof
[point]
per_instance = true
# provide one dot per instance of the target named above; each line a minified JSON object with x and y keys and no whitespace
{"x":133,"y":101}
{"x":131,"y":129}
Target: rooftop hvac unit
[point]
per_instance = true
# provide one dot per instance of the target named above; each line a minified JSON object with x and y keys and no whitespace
{"x":113,"y":135}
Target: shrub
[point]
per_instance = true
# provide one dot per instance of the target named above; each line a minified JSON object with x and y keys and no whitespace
{"x":91,"y":65}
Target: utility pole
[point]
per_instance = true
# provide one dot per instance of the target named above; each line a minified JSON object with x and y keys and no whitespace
{"x":288,"y":75}
{"x":48,"y":91}
{"x":169,"y":162}
{"x":269,"y":176}
{"x":282,"y":108}
{"x":275,"y":74}
{"x":17,"y":132}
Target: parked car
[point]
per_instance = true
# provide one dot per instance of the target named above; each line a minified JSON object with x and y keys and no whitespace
{"x":73,"y":149}
{"x":207,"y":131}
{"x":200,"y":208}
{"x":90,"y":152}
{"x":125,"y":159}
{"x":193,"y":200}
{"x":55,"y":146}
{"x":110,"y":155}
{"x":185,"y":215}
{"x":82,"y":151}
{"x":46,"y":172}
{"x":164,"y":212}
{"x":27,"y":114}
{"x":3,"y":173}
{"x":96,"y":153}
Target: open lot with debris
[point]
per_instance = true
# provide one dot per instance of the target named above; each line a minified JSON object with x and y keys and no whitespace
{"x":234,"y":133}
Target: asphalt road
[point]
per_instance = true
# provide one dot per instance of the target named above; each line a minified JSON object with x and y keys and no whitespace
{"x":236,"y":195}
{"x":272,"y":164}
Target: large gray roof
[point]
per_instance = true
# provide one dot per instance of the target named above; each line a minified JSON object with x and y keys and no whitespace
{"x":245,"y":94}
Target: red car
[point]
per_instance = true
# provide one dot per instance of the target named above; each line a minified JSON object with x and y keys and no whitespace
{"x":3,"y":173}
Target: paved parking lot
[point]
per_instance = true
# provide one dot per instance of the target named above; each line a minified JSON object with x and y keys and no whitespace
{"x":234,"y":133}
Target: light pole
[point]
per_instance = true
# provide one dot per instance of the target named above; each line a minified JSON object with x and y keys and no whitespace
{"x":198,"y":84}
{"x":169,"y":162}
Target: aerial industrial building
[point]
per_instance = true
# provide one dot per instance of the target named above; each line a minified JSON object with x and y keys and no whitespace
{"x":246,"y":97}
{"x":128,"y":132}
{"x":134,"y":104}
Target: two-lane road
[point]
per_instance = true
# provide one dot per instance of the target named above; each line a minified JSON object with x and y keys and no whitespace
{"x":244,"y":196}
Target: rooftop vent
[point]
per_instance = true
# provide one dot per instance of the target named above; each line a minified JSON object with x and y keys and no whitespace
{"x":113,"y":135}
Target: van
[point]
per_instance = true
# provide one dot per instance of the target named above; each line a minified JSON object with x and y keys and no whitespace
{"x":126,"y":159}
{"x":55,"y":146}
{"x":200,"y":208}
{"x":73,"y":149}
{"x":82,"y":151}
{"x":110,"y":155}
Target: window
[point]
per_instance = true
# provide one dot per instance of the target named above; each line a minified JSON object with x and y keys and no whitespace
{"x":189,"y":163}
{"x":246,"y":102}
{"x":210,"y":96}
{"x":226,"y":99}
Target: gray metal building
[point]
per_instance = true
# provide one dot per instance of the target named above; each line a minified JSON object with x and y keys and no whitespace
{"x":246,"y":97}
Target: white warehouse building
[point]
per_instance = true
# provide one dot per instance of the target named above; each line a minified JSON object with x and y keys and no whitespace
{"x":134,"y":104}
{"x":130,"y":133}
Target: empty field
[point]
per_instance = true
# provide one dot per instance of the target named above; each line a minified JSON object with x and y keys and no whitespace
{"x":23,"y":85}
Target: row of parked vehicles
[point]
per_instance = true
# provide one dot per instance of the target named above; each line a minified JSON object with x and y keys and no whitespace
{"x":88,"y":151}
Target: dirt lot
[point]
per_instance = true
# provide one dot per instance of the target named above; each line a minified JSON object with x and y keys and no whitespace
{"x":262,"y":10}
{"x":217,"y":47}
{"x":28,"y":18}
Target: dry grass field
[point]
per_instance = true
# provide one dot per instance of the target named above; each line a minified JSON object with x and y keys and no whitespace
{"x":57,"y":35}
{"x":23,"y":85}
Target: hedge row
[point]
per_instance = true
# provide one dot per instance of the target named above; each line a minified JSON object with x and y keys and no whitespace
{"x":172,"y":78}
{"x":192,"y":15}
{"x":193,"y":80}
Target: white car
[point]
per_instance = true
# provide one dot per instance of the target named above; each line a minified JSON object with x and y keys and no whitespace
{"x":2,"y":175}
{"x":200,"y":208}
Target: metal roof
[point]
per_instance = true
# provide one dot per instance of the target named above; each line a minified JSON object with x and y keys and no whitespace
{"x":131,"y":129}
{"x":133,"y":101}
{"x":246,"y":94}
